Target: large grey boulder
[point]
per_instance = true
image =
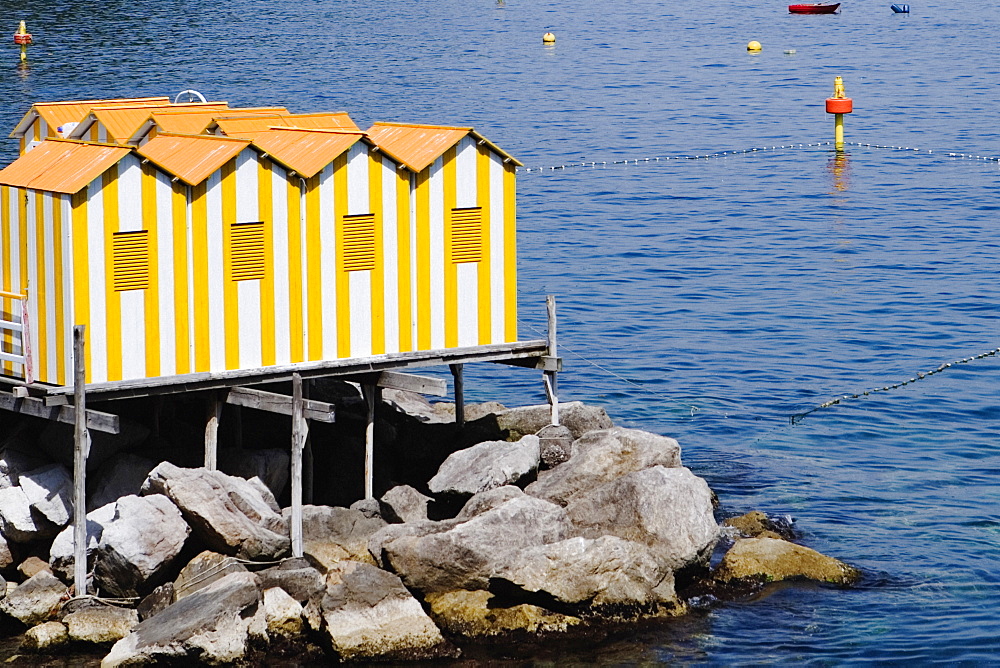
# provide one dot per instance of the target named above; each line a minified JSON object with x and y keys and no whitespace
{"x":119,"y":476}
{"x":667,"y":509}
{"x":332,"y":534}
{"x":466,"y":555}
{"x":283,"y":614}
{"x":410,"y":530}
{"x":269,"y":465}
{"x":478,"y":614}
{"x":15,"y":461}
{"x":773,"y":559}
{"x":416,"y":406}
{"x":100,"y":624}
{"x":35,"y":600}
{"x":203,"y":570}
{"x":18,"y":521}
{"x":367,"y":614}
{"x":216,"y":625}
{"x":575,"y":415}
{"x":602,"y":456}
{"x":50,"y":492}
{"x":140,"y":545}
{"x":61,"y":556}
{"x":404,"y":504}
{"x":486,"y":466}
{"x":488,"y":500}
{"x":295,"y":576}
{"x":6,"y":556}
{"x":593,"y":575}
{"x":45,"y":638}
{"x":229,"y":514}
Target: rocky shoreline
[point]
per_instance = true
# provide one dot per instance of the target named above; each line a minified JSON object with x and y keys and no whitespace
{"x":486,"y":534}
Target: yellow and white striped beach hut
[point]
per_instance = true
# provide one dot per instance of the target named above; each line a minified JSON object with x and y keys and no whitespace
{"x":463,"y":237}
{"x":117,"y":124}
{"x":225,"y":255}
{"x":45,"y":119}
{"x":192,"y":121}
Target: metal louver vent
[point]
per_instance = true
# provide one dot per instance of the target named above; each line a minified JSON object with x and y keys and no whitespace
{"x":130,"y":256}
{"x":466,"y":235}
{"x":359,"y":242}
{"x":246,"y":245}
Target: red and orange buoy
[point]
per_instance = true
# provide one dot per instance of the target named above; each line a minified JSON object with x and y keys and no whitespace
{"x":838,"y":105}
{"x":23,"y":38}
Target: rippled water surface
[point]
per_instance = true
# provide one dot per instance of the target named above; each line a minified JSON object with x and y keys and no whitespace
{"x":710,"y":299}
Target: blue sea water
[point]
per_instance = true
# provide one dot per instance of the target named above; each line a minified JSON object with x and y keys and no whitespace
{"x":709,"y":299}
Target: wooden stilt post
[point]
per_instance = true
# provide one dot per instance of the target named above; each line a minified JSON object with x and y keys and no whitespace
{"x":551,"y":382}
{"x":212,"y":432}
{"x":371,"y":392}
{"x":299,"y":431}
{"x":456,"y":372}
{"x":307,"y":454}
{"x":81,"y":450}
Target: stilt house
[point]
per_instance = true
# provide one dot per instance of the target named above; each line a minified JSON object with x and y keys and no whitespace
{"x":206,"y":250}
{"x":229,"y":256}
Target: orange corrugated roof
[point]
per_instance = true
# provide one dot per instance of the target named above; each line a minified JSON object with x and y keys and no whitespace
{"x":250,"y":127}
{"x":191,"y":158}
{"x":62,"y":166}
{"x":246,"y":127}
{"x":60,"y":113}
{"x":306,"y":151}
{"x":417,"y":146}
{"x":122,"y":122}
{"x":339,"y":120}
{"x":195,"y":122}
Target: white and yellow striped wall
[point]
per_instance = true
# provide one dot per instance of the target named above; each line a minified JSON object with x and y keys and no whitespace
{"x":253,"y":267}
{"x":464,"y":249}
{"x":34,"y":233}
{"x":257,"y":266}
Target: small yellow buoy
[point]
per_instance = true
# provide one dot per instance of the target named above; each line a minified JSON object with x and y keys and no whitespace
{"x":754,"y":45}
{"x":548,"y":38}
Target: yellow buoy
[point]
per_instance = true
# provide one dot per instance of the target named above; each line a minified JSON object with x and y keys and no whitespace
{"x":549,"y":38}
{"x":754,"y":45}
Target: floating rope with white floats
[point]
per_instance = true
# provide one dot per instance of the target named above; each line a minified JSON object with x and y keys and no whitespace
{"x":796,"y":418}
{"x":706,"y":156}
{"x":760,"y":149}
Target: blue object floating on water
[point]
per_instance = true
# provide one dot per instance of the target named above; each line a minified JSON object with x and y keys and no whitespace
{"x":900,"y":9}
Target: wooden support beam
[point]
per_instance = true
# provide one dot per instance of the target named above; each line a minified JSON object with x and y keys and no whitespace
{"x":395,"y":380}
{"x":300,"y":429}
{"x":96,"y":420}
{"x":307,"y":452}
{"x":342,"y":368}
{"x":456,"y":372}
{"x":372,"y":396}
{"x":81,"y":450}
{"x":279,"y":403}
{"x":212,"y":417}
{"x":552,"y":382}
{"x":542,"y":362}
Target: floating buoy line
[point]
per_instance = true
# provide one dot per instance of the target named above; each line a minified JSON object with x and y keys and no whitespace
{"x":795,"y":418}
{"x":759,"y":149}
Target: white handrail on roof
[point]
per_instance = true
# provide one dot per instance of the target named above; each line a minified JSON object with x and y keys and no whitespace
{"x":192,"y":95}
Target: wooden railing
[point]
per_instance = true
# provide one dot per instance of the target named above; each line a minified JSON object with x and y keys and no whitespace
{"x":16,"y":331}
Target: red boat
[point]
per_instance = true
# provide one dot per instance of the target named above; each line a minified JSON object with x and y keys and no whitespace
{"x":815,"y":8}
